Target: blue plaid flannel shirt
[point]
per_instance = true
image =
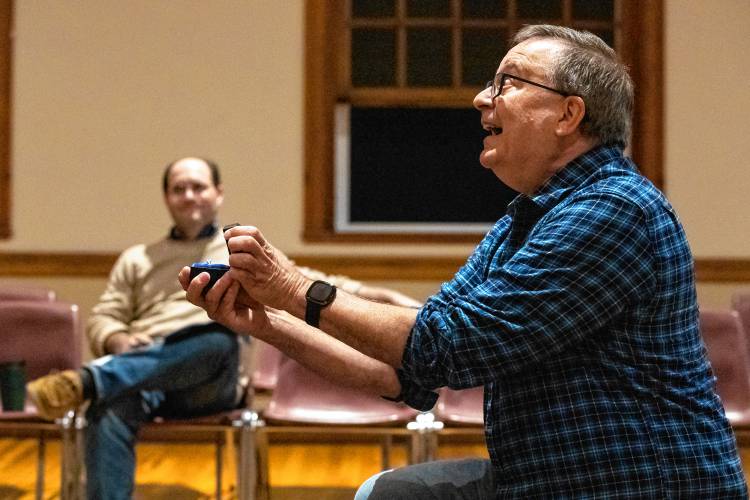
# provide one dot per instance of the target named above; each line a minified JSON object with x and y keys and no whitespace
{"x":578,"y":314}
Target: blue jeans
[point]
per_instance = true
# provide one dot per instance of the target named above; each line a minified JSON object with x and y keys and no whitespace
{"x":470,"y":479}
{"x":192,"y":373}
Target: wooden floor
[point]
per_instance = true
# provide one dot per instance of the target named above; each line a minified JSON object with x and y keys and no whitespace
{"x":186,"y":471}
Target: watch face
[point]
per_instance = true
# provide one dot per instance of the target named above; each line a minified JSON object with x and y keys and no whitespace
{"x":320,"y":292}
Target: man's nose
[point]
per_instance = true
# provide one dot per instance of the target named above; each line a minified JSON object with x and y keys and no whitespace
{"x":483,"y":99}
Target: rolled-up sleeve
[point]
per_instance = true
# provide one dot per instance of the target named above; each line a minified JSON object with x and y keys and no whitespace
{"x":413,"y":394}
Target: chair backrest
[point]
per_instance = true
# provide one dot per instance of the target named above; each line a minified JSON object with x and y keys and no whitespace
{"x":266,"y":366}
{"x":303,"y":397}
{"x":726,"y":345}
{"x":46,"y":335}
{"x":741,"y":304}
{"x":13,"y":293}
{"x":464,"y":407}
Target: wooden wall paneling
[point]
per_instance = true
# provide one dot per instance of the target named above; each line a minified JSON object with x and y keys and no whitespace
{"x":400,"y":268}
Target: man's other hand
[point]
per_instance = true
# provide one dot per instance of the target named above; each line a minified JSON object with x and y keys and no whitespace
{"x":264,"y":272}
{"x":121,"y":342}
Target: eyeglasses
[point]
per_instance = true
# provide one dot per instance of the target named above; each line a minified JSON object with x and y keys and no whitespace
{"x":498,"y":83}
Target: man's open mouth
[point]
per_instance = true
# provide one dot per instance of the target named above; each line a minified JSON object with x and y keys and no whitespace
{"x":493,"y":130}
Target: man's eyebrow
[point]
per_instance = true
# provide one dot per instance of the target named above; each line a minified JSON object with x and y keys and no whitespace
{"x":510,"y":67}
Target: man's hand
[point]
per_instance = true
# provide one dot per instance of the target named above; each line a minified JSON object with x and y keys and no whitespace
{"x":225,"y":303}
{"x":264,"y":272}
{"x":121,"y":342}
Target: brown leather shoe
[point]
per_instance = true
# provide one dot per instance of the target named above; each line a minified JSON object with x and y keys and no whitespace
{"x":55,"y":394}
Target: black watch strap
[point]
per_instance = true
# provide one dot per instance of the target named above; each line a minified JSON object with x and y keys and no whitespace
{"x":312,"y":314}
{"x":319,"y":295}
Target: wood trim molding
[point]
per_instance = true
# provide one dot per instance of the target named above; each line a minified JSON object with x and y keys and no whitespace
{"x":386,"y":268}
{"x":414,"y":268}
{"x":319,"y":98}
{"x":722,"y":270}
{"x":56,"y":264}
{"x":643,"y":52}
{"x":6,"y":54}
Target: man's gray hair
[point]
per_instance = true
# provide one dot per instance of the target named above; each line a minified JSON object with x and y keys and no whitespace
{"x":589,"y":68}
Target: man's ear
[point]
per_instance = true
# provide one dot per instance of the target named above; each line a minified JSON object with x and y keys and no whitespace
{"x":572,"y":112}
{"x":220,"y":198}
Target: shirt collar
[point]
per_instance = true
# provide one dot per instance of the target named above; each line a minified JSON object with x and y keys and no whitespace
{"x":208,"y":231}
{"x":573,"y":175}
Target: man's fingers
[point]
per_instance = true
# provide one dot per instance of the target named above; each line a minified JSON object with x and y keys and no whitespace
{"x":252,"y":231}
{"x":245,"y":277}
{"x":214,"y":296}
{"x":195,"y":288}
{"x":184,"y":277}
{"x":246,"y":244}
{"x":226,"y":305}
{"x":237,"y":230}
{"x":230,"y":296}
{"x":139,"y":339}
{"x":245,"y":239}
{"x":246,"y":262}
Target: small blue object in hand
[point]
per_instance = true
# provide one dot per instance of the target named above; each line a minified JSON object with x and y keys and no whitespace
{"x":216,"y":271}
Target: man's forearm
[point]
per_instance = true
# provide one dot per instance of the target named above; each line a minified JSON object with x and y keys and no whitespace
{"x":387,"y":296}
{"x":378,"y":330}
{"x":329,"y":357}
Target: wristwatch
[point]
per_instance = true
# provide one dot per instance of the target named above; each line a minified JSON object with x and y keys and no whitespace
{"x":319,"y":295}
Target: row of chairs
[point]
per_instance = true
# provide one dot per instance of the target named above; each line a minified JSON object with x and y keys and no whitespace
{"x":305,"y":407}
{"x":46,"y":333}
{"x":302,"y":406}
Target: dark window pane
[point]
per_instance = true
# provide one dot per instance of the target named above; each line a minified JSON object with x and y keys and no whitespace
{"x":482,"y":51}
{"x":606,"y":35}
{"x":428,"y":8}
{"x":421,"y":165}
{"x":373,"y":58}
{"x":603,"y":10}
{"x":483,"y":9}
{"x":428,"y":57}
{"x":539,"y":9}
{"x":373,"y":8}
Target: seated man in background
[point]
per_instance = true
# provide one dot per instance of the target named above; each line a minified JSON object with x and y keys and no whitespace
{"x":160,"y":356}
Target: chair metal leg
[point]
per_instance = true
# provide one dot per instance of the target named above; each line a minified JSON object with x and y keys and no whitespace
{"x":417,"y":448}
{"x":73,"y":469}
{"x":219,"y":464}
{"x":41,"y":453}
{"x":385,"y":452}
{"x":263,"y":485}
{"x":68,"y":466}
{"x":430,"y":443}
{"x":247,"y":467}
{"x":424,"y":442}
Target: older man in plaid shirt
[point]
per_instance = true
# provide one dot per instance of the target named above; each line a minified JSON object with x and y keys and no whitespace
{"x":577,"y":312}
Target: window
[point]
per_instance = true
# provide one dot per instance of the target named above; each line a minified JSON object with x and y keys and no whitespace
{"x":382,"y":70}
